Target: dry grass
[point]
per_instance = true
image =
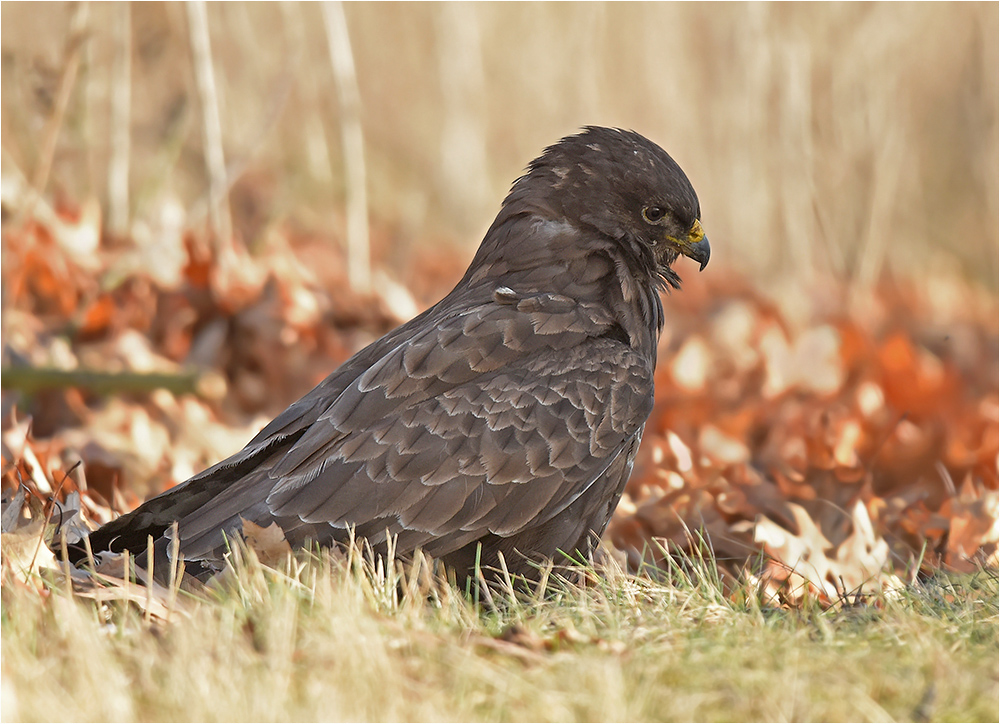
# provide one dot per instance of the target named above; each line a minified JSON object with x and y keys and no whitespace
{"x":315,"y":640}
{"x":821,"y":137}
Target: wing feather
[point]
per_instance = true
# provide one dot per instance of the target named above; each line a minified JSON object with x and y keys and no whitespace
{"x":446,"y":443}
{"x":483,"y":421}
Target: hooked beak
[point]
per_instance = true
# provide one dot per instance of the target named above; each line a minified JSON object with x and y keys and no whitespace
{"x":696,"y":245}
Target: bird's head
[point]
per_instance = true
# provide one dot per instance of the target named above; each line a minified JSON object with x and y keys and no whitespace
{"x":627,"y":188}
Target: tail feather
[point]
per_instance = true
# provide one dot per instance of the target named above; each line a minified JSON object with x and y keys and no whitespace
{"x":191,"y":500}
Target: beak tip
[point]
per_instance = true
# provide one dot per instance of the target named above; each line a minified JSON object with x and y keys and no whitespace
{"x":703,"y":251}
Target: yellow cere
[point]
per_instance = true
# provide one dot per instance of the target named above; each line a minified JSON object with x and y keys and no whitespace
{"x":696,"y":233}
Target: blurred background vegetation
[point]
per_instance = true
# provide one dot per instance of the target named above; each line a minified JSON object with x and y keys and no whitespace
{"x":822,"y":138}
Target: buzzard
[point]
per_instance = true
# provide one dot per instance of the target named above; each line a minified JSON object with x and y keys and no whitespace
{"x":502,"y":420}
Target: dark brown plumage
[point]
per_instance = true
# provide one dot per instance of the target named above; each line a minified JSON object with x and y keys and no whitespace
{"x":507,"y":415}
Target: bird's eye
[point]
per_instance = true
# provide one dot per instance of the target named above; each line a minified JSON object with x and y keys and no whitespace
{"x":653,"y":214}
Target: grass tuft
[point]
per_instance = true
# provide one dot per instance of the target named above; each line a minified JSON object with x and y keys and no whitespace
{"x":329,"y":636}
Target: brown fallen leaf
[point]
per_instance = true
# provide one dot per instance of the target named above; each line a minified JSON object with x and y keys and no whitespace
{"x":268,"y":543}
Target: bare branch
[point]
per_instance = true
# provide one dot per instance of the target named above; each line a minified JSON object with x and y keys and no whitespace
{"x":30,"y":380}
{"x":215,"y":159}
{"x":464,"y":164}
{"x":121,"y":119}
{"x":71,"y":64}
{"x":353,"y":142}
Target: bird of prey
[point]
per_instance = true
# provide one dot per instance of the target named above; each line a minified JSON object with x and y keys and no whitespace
{"x":503,"y":420}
